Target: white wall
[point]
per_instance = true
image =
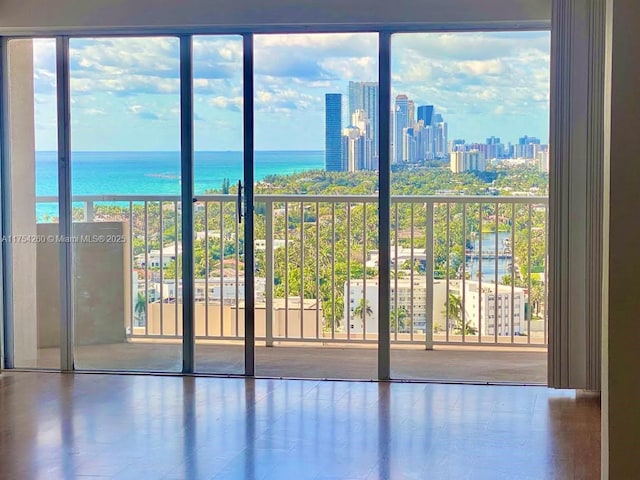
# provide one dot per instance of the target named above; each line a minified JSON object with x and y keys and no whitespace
{"x":25,"y":16}
{"x":621,"y":380}
{"x":20,"y":151}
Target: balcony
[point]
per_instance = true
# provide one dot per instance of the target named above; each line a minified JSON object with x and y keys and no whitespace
{"x":468,"y":287}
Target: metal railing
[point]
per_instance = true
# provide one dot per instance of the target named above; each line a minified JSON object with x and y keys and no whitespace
{"x":469,"y":270}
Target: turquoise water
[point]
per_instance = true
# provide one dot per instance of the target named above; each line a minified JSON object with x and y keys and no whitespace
{"x":158,"y":173}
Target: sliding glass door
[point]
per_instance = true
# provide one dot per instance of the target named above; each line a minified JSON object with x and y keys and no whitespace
{"x":126,"y":242}
{"x":31,"y":207}
{"x":343,"y":205}
{"x":218,"y":227}
{"x":316,"y":213}
{"x":470,"y":163}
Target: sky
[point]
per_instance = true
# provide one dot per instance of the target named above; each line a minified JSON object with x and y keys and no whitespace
{"x":125,"y":91}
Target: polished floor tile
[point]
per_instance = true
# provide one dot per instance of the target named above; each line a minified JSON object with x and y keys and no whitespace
{"x":59,"y":426}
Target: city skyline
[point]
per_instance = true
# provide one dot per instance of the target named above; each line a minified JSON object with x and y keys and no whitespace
{"x":125,"y":91}
{"x":419,"y":133}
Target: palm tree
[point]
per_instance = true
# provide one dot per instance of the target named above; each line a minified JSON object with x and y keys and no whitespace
{"x":140,"y":308}
{"x":362,"y":311}
{"x":398,"y":319}
{"x":453,"y":309}
{"x":455,"y":316}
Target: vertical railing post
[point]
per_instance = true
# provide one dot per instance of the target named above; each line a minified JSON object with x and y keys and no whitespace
{"x":88,"y":211}
{"x":429,"y":279}
{"x":269,"y":272}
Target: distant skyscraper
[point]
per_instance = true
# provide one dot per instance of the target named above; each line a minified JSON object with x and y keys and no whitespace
{"x":353,"y":149}
{"x":411,"y":113}
{"x":364,"y":96}
{"x":401,"y":122}
{"x":360,"y":120}
{"x":425,"y":113}
{"x":494,"y":149}
{"x":333,"y":133}
{"x":441,"y":136}
{"x":425,"y":133}
{"x":471,"y":161}
{"x":526,"y":147}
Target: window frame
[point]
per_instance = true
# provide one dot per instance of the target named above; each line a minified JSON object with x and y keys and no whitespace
{"x":384,"y":33}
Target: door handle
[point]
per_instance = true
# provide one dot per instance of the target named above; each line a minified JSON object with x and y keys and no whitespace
{"x":239,"y":202}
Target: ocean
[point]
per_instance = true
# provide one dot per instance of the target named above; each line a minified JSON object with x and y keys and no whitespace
{"x":158,"y":173}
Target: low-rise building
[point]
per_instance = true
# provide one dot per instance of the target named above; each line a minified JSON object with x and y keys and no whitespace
{"x":225,"y":289}
{"x":154,"y":258}
{"x":408,"y":298}
{"x":486,"y":310}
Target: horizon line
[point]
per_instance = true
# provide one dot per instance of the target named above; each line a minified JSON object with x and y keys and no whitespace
{"x":179,"y":151}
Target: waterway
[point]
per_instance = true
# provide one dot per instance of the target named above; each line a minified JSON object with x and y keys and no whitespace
{"x":488,"y":267}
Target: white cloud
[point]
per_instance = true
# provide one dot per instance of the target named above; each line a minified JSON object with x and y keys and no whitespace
{"x":488,"y":76}
{"x":472,"y":73}
{"x":352,"y":68}
{"x":136,"y":109}
{"x":143,"y":112}
{"x":94,"y":112}
{"x":315,"y":57}
{"x":226,"y":103}
{"x":286,"y":100}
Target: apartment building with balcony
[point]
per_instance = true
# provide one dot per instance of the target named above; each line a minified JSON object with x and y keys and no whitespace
{"x":500,"y":312}
{"x":408,"y":303}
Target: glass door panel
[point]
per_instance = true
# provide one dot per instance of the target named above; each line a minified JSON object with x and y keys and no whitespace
{"x":125,"y":134}
{"x":32,"y":180}
{"x":316,"y":172}
{"x":468,"y":221}
{"x":219,"y":239}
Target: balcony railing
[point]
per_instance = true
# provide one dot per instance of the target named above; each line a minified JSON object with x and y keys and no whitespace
{"x":466,"y":270}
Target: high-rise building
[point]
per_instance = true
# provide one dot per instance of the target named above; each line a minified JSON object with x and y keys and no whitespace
{"x":411,"y":113}
{"x":364,"y":96}
{"x":494,"y":148}
{"x":542,"y":159}
{"x":467,"y":161}
{"x":526,"y":147}
{"x":425,"y":113}
{"x":360,"y":120}
{"x":441,"y":136}
{"x":408,"y":145}
{"x":333,"y":133}
{"x":353,"y":149}
{"x":401,"y":122}
{"x":456,"y":161}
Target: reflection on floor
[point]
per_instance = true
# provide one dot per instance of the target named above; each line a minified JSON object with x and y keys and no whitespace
{"x":132,"y":426}
{"x":526,"y":366}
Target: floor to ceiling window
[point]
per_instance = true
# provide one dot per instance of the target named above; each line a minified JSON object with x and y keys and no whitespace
{"x":470,"y":163}
{"x":125,"y":187}
{"x":316,"y":161}
{"x":219,"y":308}
{"x":468,"y":208}
{"x":32,"y":181}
